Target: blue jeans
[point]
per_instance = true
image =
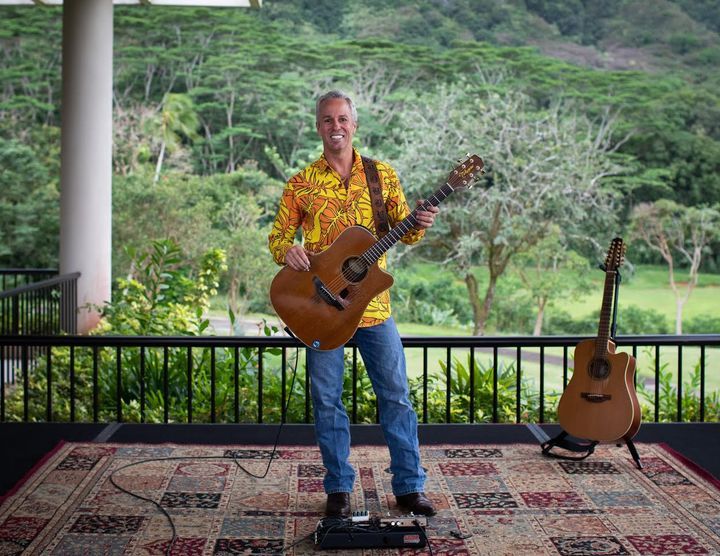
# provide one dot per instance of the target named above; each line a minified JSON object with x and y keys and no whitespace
{"x":382,"y":352}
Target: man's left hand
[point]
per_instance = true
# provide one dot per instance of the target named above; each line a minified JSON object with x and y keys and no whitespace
{"x":425,"y":216}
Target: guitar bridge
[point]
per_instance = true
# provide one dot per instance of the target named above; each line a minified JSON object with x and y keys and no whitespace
{"x":327,"y":296}
{"x":595,"y":398}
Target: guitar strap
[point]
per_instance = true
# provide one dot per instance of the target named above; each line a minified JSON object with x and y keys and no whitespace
{"x":379,"y":209}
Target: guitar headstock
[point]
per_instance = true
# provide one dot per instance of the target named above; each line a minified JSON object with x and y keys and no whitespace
{"x":615,"y":255}
{"x":466,"y":172}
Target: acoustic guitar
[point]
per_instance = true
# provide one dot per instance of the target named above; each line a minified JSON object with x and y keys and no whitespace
{"x":323,"y":307}
{"x":600,"y":403}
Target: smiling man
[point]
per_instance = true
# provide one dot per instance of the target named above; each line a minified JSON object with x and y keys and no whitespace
{"x":323,"y":200}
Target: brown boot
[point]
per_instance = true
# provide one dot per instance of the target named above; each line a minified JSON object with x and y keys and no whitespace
{"x":338,"y":505}
{"x":416,"y":503}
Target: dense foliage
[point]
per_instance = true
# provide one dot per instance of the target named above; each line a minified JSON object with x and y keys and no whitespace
{"x":213,"y":110}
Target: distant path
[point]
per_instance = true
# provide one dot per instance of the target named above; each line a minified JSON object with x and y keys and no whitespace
{"x":529,"y":356}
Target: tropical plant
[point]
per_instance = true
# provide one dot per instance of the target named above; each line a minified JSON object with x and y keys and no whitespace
{"x":159,"y":297}
{"x":176,"y":121}
{"x":478,"y":389}
{"x":667,"y":399}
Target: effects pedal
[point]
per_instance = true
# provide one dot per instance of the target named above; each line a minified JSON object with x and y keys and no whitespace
{"x":364,"y":531}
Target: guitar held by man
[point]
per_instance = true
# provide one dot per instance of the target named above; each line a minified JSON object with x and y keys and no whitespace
{"x":600,"y":403}
{"x":323,"y":306}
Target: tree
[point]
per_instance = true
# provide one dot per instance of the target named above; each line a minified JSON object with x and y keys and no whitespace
{"x":29,"y":213}
{"x":545,"y":170}
{"x":250,"y":268}
{"x":177,"y":119}
{"x":549,"y":271}
{"x":672,"y":229}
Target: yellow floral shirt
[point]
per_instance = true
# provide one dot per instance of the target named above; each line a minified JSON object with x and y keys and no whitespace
{"x":316,"y":200}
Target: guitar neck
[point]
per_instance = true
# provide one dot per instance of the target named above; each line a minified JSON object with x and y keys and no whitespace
{"x":601,"y":343}
{"x":373,"y":254}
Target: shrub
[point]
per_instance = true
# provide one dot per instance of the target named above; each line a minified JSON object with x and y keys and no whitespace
{"x":429,"y":301}
{"x":630,"y":320}
{"x":702,"y":324}
{"x":668,"y":397}
{"x":634,"y":320}
{"x":560,"y":323}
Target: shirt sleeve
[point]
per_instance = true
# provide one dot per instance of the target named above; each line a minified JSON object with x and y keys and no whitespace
{"x":398,"y":208}
{"x":287,"y":221}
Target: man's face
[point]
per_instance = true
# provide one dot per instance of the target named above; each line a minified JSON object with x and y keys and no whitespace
{"x":335,"y":125}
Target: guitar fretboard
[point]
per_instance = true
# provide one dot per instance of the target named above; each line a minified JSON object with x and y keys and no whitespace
{"x":380,"y":247}
{"x":601,"y":343}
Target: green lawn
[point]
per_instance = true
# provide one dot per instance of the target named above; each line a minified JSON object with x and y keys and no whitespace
{"x":703,"y":300}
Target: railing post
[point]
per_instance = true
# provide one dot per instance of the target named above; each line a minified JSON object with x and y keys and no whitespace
{"x":15,"y":318}
{"x":68,"y":307}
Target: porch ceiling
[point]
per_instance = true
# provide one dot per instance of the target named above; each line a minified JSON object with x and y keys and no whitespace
{"x":203,"y":3}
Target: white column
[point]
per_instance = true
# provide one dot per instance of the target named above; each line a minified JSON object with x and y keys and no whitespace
{"x":86,"y":147}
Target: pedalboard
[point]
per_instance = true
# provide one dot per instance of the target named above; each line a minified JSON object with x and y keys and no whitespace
{"x":363,"y":531}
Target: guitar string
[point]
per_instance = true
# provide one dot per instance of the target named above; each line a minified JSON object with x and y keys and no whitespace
{"x":369,"y":257}
{"x":340,"y":282}
{"x":382,"y":245}
{"x":345,"y":277}
{"x":376,"y":251}
{"x":599,"y":386}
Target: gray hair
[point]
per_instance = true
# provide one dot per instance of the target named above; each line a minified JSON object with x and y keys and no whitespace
{"x":336,"y":94}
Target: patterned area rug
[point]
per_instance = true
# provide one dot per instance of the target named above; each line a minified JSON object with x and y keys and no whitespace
{"x":503,"y":499}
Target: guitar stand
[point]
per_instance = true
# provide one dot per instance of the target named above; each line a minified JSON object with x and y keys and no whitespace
{"x":633,"y":452}
{"x":586,"y":448}
{"x":561,"y":441}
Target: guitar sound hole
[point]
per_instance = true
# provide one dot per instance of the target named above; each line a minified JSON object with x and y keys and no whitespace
{"x":354,"y":269}
{"x":599,"y":368}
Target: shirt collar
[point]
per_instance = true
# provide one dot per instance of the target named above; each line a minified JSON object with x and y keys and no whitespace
{"x":356,"y":167}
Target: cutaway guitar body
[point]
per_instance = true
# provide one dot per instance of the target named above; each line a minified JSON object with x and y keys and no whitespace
{"x":600,"y":406}
{"x":323,"y":307}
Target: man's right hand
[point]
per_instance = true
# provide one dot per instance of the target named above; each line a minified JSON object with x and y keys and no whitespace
{"x":298,"y":258}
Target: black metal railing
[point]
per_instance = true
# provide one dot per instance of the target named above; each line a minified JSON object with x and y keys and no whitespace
{"x":44,"y":308}
{"x":249,"y":379}
{"x":47,"y":307}
{"x":15,"y":277}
